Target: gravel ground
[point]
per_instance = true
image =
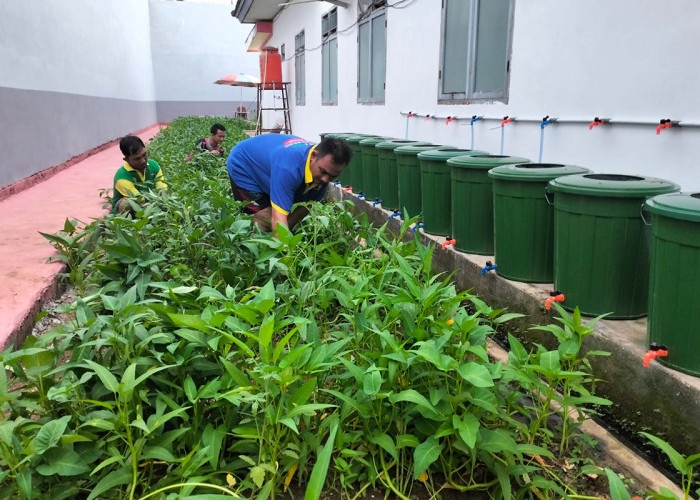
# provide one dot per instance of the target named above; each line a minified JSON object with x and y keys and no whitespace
{"x":53,"y":318}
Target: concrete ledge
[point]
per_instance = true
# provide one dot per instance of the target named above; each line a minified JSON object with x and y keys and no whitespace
{"x":657,"y":398}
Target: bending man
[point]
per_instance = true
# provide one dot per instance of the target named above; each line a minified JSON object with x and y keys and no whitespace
{"x":275,"y":171}
{"x":138,"y":172}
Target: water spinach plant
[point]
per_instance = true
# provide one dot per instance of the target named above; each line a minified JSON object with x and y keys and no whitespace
{"x":208,"y":360}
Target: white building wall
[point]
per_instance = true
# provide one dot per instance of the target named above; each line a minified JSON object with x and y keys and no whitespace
{"x":625,"y":60}
{"x":193,"y":45}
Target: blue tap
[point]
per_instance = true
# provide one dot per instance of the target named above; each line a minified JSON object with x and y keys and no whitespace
{"x":375,"y":202}
{"x":488,"y":267}
{"x":361,"y":196}
{"x":395,"y":214}
{"x":417,"y":226}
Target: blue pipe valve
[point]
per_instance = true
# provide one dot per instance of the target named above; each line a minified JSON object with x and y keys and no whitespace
{"x":336,"y":183}
{"x":395,"y":214}
{"x":417,"y":226}
{"x":545,"y":121}
{"x":490,"y":266}
{"x":361,"y":196}
{"x":376,"y":201}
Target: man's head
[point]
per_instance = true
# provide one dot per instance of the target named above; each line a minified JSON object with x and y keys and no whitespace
{"x":218,"y":133}
{"x":329,"y":159}
{"x":134,"y":152}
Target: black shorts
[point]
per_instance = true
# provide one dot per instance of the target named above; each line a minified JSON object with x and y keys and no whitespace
{"x":258,"y":200}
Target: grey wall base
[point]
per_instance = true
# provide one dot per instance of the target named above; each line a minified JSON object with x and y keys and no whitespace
{"x":657,"y":398}
{"x":41,"y":129}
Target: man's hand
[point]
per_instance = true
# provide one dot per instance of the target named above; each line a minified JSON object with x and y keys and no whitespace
{"x":215,"y":152}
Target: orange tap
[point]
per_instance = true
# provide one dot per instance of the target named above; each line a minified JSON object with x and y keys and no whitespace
{"x":554,"y":296}
{"x":349,"y":188}
{"x":449,"y":119}
{"x":665,"y":123}
{"x":506,"y":120}
{"x":428,"y":117}
{"x":448,"y":241}
{"x":655,"y":351}
{"x":411,"y":114}
{"x":596,"y":121}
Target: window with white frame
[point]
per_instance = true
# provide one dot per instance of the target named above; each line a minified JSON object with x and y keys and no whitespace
{"x":329,"y":57}
{"x":299,"y":70}
{"x":371,"y":41}
{"x":476,"y":45}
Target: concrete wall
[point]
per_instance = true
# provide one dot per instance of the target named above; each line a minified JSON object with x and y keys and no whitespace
{"x":193,"y":45}
{"x":74,"y":76}
{"x":626,"y":60}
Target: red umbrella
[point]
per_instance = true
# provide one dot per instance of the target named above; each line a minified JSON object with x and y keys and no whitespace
{"x":239,"y":80}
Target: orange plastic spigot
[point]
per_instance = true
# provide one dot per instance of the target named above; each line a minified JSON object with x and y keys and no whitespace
{"x":554,"y":296}
{"x":665,"y":123}
{"x":596,"y":121}
{"x":411,"y":114}
{"x":349,"y":188}
{"x":655,"y":351}
{"x":450,"y":119}
{"x":506,"y":120}
{"x":428,"y":117}
{"x":448,"y":241}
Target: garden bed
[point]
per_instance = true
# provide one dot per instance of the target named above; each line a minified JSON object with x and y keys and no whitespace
{"x":207,"y":358}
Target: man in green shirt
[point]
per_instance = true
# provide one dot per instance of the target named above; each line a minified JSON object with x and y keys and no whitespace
{"x":137,"y":173}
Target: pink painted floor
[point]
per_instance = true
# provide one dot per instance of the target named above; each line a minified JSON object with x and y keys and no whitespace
{"x":72,"y":193}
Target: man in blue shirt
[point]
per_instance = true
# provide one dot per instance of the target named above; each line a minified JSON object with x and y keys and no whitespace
{"x":275,"y":171}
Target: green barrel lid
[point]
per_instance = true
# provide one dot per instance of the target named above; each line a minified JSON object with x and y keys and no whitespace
{"x":612,"y":185}
{"x":373,"y":141}
{"x":484,"y":161}
{"x":533,"y":172}
{"x":414,"y":149}
{"x":396,"y":143}
{"x":338,"y":134}
{"x":445,"y":154}
{"x":684,"y":206}
{"x":355,"y":139}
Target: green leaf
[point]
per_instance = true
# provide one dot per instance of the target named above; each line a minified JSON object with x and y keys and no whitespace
{"x":189,"y":321}
{"x":24,"y":483}
{"x":467,"y":427}
{"x":320,"y":470}
{"x":372,"y":382}
{"x":303,"y":393}
{"x":64,"y":462}
{"x":476,"y":374}
{"x":49,"y":435}
{"x":386,"y":443}
{"x":413,"y":396}
{"x":111,"y":480}
{"x":617,"y":488}
{"x":497,"y":441}
{"x":676,"y":458}
{"x":257,"y":474}
{"x":106,"y":377}
{"x":549,"y":361}
{"x":190,"y":389}
{"x":306,"y":409}
{"x":425,"y":454}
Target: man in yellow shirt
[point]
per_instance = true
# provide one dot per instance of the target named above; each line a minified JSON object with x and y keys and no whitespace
{"x":137,"y":173}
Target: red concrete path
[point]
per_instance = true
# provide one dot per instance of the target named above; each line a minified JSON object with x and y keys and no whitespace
{"x":26,"y":278}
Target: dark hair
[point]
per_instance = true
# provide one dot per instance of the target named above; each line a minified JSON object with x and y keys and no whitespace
{"x":338,"y":148}
{"x":130,"y":144}
{"x":216,"y":127}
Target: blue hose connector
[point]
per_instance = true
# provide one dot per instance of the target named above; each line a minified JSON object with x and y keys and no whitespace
{"x":361,"y":196}
{"x":417,"y":226}
{"x":488,"y":267}
{"x":375,"y":202}
{"x":395,"y":214}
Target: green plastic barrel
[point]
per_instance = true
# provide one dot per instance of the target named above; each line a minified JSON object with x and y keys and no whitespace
{"x":388,"y":171}
{"x":523,"y":219}
{"x":354,"y":168}
{"x":344,"y":177}
{"x":436,"y":188}
{"x":674,"y":287}
{"x":472,"y":200}
{"x":601,"y":243}
{"x":408,"y":170}
{"x":370,"y":166}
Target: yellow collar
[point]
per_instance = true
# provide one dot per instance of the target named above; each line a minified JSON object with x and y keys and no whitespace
{"x":308,"y":177}
{"x":129,"y":168}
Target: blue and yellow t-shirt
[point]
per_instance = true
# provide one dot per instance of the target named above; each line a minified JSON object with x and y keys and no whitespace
{"x":277,"y":165}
